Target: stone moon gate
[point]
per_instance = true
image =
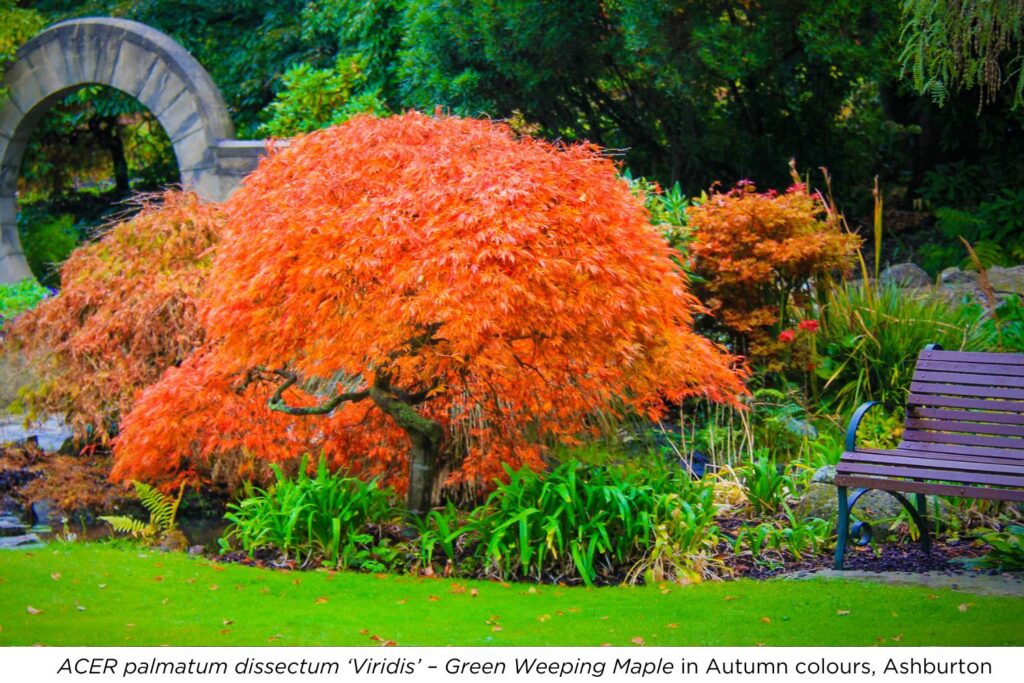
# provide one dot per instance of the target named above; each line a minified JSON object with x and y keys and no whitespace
{"x":140,"y":61}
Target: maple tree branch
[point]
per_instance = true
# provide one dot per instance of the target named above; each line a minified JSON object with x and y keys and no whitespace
{"x":276,"y":402}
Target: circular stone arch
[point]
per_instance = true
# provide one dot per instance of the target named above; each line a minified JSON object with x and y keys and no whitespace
{"x":132,"y":57}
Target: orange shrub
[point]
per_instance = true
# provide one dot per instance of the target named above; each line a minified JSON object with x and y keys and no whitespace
{"x":126,"y":311}
{"x":758,"y":254}
{"x":447,"y":295}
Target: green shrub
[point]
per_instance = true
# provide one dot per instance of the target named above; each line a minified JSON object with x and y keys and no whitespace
{"x":870,"y":337}
{"x":19,"y":297}
{"x":311,"y":519}
{"x":598,"y":524}
{"x":1007,"y":323}
{"x":796,"y":538}
{"x":47,"y":240}
{"x":1006,"y":549}
{"x":766,"y":484}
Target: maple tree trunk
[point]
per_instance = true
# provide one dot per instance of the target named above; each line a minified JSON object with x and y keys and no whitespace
{"x":426,"y":436}
{"x":423,"y":459}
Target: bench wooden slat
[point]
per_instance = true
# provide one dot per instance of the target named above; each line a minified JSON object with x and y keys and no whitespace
{"x":942,"y":461}
{"x":918,"y":399}
{"x":962,"y":426}
{"x":965,"y":439}
{"x":957,"y":449}
{"x":926,"y":473}
{"x":966,"y":457}
{"x":966,"y":416}
{"x":994,"y":369}
{"x":958,"y":379}
{"x":975,"y":357}
{"x":905,"y":486}
{"x":966,"y":390}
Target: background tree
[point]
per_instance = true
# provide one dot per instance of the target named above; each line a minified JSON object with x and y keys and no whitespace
{"x":447,"y":294}
{"x":968,"y":44}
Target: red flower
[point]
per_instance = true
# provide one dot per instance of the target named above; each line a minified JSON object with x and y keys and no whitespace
{"x":787,"y":336}
{"x":809,"y":325}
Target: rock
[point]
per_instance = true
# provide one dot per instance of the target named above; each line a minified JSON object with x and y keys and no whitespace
{"x":173,"y":541}
{"x":11,"y":526}
{"x":905,"y":275}
{"x":196,"y":550}
{"x":824,"y":475}
{"x":821,"y":500}
{"x":25,"y":541}
{"x":955,"y":276}
{"x":1007,"y":280}
{"x":44,"y":512}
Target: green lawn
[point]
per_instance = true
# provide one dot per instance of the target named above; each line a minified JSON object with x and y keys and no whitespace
{"x":97,"y":594}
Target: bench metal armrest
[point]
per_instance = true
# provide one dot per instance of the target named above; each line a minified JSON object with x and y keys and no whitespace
{"x":851,"y":430}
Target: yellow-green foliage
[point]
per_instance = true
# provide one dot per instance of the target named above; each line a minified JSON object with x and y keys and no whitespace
{"x":163,"y":511}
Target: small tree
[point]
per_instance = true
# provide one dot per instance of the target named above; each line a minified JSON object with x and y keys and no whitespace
{"x":126,"y":312}
{"x":757,"y":254}
{"x":437,"y":288}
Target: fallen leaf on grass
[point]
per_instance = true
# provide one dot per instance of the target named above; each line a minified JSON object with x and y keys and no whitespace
{"x":665,"y":591}
{"x":932,"y":596}
{"x":457,"y":588}
{"x":604,"y":618}
{"x":214,"y":587}
{"x":964,"y":606}
{"x":296,"y":582}
{"x":158,"y":578}
{"x":190,"y":580}
{"x":495,"y":629}
{"x":320,"y":601}
{"x":129,"y":625}
{"x":55,"y":576}
{"x":401,"y":602}
{"x":80,"y":608}
{"x":433,"y":598}
{"x":637,"y":641}
{"x":228,"y":622}
{"x":727,"y":598}
{"x":102,"y":586}
{"x":274,"y":637}
{"x":574,"y":610}
{"x":766,"y":620}
{"x":531,"y":590}
{"x":898,"y":638}
{"x":364,"y":632}
{"x":606,"y":644}
{"x":544,"y":617}
{"x":671,"y":625}
{"x":388,"y":643}
{"x":33,"y":611}
{"x":474,"y":592}
{"x":225,"y":631}
{"x":239,"y":586}
{"x":842,"y":612}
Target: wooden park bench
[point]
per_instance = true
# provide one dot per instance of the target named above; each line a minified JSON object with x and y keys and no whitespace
{"x":964,"y":436}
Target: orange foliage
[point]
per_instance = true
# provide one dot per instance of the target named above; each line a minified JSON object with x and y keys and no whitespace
{"x":435,"y":271}
{"x":126,"y":312}
{"x":758,"y":253}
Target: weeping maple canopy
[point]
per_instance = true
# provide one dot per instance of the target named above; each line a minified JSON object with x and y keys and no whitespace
{"x":426,"y":293}
{"x":126,"y":312}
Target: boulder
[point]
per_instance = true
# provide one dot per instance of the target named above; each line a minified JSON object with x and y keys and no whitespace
{"x":24,"y":541}
{"x":11,"y":526}
{"x":955,"y":276}
{"x":1007,"y":280}
{"x":45,"y":513}
{"x":905,"y":275}
{"x":821,"y":500}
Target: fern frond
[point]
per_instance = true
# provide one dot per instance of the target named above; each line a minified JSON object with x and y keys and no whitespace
{"x":123,"y":524}
{"x":161,"y":507}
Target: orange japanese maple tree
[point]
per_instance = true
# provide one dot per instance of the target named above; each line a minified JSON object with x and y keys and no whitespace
{"x":430,"y":295}
{"x":126,"y":312}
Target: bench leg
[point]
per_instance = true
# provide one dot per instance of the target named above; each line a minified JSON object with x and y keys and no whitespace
{"x":843,"y":530}
{"x":922,"y":523}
